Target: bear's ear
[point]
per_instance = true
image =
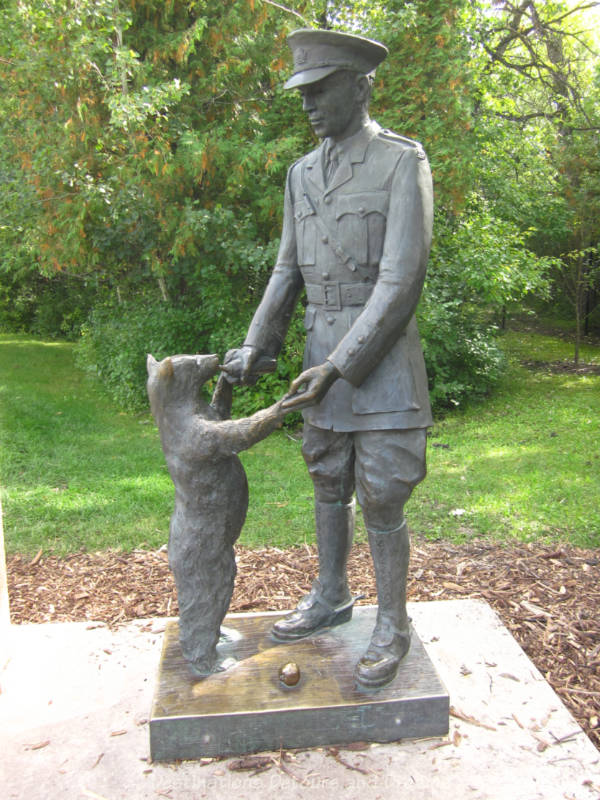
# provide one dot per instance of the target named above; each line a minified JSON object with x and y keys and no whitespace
{"x":151,"y":364}
{"x":165,"y":368}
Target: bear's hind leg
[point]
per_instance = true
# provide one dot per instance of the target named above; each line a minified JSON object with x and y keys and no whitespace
{"x":204,"y":572}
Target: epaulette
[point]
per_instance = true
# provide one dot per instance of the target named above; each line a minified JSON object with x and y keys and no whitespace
{"x":303,"y":158}
{"x":386,"y":133}
{"x":298,"y":161}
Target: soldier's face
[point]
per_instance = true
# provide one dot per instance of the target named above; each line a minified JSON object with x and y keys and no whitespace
{"x":334,"y":105}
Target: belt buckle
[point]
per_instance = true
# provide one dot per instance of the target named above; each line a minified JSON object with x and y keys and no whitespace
{"x":332,"y":295}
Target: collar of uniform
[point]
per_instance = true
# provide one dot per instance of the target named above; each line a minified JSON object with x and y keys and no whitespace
{"x":350,"y":151}
{"x":354,"y":147}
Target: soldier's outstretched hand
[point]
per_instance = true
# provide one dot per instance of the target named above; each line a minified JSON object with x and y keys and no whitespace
{"x":310,"y":387}
{"x":238,"y":364}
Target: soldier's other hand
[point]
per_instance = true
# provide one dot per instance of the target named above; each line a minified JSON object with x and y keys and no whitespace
{"x":238,"y":364}
{"x":310,"y":387}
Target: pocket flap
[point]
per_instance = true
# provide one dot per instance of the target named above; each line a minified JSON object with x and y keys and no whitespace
{"x":302,"y":210}
{"x":362,"y":204}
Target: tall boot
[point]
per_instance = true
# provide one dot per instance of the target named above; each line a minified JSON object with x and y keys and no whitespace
{"x":391,"y":636}
{"x":329,"y":602}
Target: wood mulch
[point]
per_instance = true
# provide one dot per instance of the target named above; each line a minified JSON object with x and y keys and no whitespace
{"x":549,"y":597}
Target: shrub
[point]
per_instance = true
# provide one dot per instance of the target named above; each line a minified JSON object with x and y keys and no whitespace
{"x":115,"y":340}
{"x":462,"y":357}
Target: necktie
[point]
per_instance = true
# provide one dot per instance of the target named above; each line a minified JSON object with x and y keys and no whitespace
{"x":331,"y":161}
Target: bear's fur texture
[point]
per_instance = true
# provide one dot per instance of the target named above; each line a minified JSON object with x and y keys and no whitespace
{"x":200,"y":443}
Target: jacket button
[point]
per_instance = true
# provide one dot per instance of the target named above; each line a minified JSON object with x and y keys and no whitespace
{"x":361,"y":211}
{"x":326,"y":276}
{"x":327,"y":199}
{"x":325,"y":239}
{"x":330,"y":320}
{"x":351,"y":351}
{"x":361,"y":339}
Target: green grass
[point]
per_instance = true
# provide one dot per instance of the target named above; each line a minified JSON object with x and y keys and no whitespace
{"x":525,"y":344}
{"x":77,"y":473}
{"x":525,"y":464}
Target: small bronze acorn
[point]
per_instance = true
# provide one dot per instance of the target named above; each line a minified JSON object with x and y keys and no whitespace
{"x":289,"y":674}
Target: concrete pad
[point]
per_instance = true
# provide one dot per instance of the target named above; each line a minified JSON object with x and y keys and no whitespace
{"x":4,"y":609}
{"x":75,"y":700}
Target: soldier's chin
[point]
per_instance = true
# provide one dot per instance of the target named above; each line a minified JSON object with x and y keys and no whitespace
{"x":320,"y":129}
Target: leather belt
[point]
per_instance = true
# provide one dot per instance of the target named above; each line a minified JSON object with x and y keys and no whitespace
{"x":335,"y":295}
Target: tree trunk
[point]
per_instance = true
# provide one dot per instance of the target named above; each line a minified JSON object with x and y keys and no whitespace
{"x":163,"y":288}
{"x":588,"y":311}
{"x":579,"y":290}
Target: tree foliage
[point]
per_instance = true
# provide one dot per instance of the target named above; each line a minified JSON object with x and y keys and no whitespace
{"x":544,"y":56}
{"x":144,"y":147}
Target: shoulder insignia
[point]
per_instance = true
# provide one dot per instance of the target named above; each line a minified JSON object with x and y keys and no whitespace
{"x":386,"y":133}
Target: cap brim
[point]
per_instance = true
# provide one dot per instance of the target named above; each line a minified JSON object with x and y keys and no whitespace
{"x":308,"y":76}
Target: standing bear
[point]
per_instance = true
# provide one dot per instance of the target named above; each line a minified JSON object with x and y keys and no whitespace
{"x":200,"y":443}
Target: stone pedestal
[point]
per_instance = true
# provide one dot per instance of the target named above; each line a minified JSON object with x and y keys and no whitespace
{"x":248,"y":709}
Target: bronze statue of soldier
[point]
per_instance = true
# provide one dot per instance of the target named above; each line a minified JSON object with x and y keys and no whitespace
{"x":356,"y":235}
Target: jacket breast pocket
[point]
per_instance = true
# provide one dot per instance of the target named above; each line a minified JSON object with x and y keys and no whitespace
{"x":306,"y":232}
{"x":361,"y":219}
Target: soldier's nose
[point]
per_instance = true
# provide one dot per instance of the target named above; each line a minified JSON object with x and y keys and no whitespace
{"x":308,"y":102}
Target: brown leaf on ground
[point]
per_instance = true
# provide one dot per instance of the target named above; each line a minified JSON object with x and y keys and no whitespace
{"x":454,"y":712}
{"x":547,"y":596}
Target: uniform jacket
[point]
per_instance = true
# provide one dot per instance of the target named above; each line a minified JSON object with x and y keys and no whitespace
{"x":360,"y":245}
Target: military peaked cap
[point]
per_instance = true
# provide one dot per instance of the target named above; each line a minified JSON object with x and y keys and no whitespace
{"x":319,"y":53}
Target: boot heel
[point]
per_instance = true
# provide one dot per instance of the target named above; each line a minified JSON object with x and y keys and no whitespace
{"x":342,"y":616}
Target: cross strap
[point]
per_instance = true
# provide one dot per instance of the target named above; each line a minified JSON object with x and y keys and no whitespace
{"x":328,"y":231}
